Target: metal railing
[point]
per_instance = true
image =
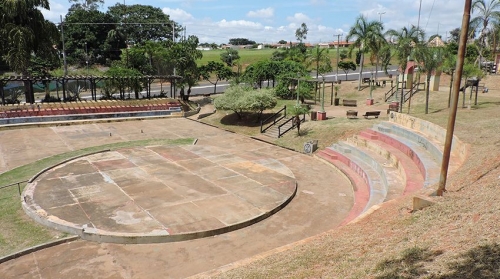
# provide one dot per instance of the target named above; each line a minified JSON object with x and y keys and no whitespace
{"x":291,"y":127}
{"x":276,"y":119}
{"x":18,"y":184}
{"x":410,"y":92}
{"x":390,"y":93}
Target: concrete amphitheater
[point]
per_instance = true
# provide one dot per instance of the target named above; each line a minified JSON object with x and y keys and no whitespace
{"x":198,"y":209}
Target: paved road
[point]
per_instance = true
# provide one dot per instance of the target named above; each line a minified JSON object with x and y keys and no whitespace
{"x":323,"y":200}
{"x":208,"y":88}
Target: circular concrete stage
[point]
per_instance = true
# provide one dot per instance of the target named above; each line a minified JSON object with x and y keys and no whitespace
{"x":159,"y":193}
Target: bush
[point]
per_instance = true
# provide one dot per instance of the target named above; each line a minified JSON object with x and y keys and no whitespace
{"x":242,"y":98}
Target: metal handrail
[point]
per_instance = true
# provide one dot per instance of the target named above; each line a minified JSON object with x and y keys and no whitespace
{"x":274,"y":121}
{"x":14,"y":184}
{"x":291,"y":127}
{"x":390,"y":93}
{"x":411,"y":92}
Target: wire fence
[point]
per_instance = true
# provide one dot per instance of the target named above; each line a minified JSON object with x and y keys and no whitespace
{"x":18,"y":184}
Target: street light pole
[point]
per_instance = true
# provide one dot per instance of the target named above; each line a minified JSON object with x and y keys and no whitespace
{"x":87,"y":58}
{"x":376,"y":66}
{"x":338,"y":46}
{"x":323,"y":98}
{"x":298,"y":83}
{"x":63,"y":48}
{"x":380,"y":16}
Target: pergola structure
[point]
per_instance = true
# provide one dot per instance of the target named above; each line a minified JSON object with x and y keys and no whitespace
{"x":92,"y":80}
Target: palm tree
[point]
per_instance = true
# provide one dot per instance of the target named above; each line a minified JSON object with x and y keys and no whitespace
{"x":487,"y":13}
{"x":24,"y":32}
{"x":366,"y":34}
{"x":404,"y":41}
{"x":429,"y":60}
{"x":319,"y":59}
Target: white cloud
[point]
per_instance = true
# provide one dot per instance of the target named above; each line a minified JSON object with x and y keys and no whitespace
{"x":262,"y":13}
{"x":298,"y":18}
{"x":178,"y":15}
{"x":239,"y":23}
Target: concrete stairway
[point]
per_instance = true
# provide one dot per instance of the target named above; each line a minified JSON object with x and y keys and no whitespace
{"x":274,"y":131}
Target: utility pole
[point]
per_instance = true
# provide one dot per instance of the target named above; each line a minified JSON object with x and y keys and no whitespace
{"x":380,"y":16}
{"x":338,"y":46}
{"x":63,"y":48}
{"x":456,"y":91}
{"x":419,"y":10}
{"x":173,"y":37}
{"x":87,"y":58}
{"x":376,"y":66}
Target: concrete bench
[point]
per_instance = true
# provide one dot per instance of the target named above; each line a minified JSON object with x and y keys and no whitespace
{"x":352,"y":114}
{"x":349,"y":103}
{"x":371,"y":113}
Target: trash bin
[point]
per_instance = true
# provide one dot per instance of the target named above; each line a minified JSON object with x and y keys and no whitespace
{"x":337,"y":101}
{"x":313,"y":115}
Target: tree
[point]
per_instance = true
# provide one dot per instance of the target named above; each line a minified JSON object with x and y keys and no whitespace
{"x":157,"y":25}
{"x":282,"y":42}
{"x":124,"y":78}
{"x":301,"y":33}
{"x":290,"y":71}
{"x":488,"y":14}
{"x":229,"y":57}
{"x":241,"y":98}
{"x":135,"y":58}
{"x":24,"y":32}
{"x":278,"y":55}
{"x":241,"y":42}
{"x":405,"y":40}
{"x":366,"y":35}
{"x":86,"y":5}
{"x":296,"y":111}
{"x":429,"y":59}
{"x":470,"y":71}
{"x":184,"y":55}
{"x":319,"y":59}
{"x":347,"y":66}
{"x":42,"y":68}
{"x":83,"y":41}
{"x":217,"y":70}
{"x":455,"y":35}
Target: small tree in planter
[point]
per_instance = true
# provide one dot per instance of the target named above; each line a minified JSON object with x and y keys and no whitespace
{"x":296,"y":111}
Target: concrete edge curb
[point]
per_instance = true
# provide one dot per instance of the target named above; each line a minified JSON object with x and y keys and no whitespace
{"x":37,"y":248}
{"x":65,"y":161}
{"x":145,"y":239}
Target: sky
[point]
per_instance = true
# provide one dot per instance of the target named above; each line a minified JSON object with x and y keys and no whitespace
{"x":267,"y":22}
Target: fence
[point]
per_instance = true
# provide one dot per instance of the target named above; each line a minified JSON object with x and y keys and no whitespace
{"x":14,"y":184}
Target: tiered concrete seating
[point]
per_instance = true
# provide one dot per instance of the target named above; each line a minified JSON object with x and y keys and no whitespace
{"x":393,"y":159}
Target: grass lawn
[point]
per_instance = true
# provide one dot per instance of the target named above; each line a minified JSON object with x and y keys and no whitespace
{"x":247,"y":56}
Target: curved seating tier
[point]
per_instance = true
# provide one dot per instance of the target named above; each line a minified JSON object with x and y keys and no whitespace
{"x":393,"y":159}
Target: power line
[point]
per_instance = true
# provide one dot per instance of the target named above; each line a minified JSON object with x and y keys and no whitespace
{"x":115,"y":23}
{"x":432,"y":8}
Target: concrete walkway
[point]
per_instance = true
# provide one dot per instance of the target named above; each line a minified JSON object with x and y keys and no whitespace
{"x":323,"y":200}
